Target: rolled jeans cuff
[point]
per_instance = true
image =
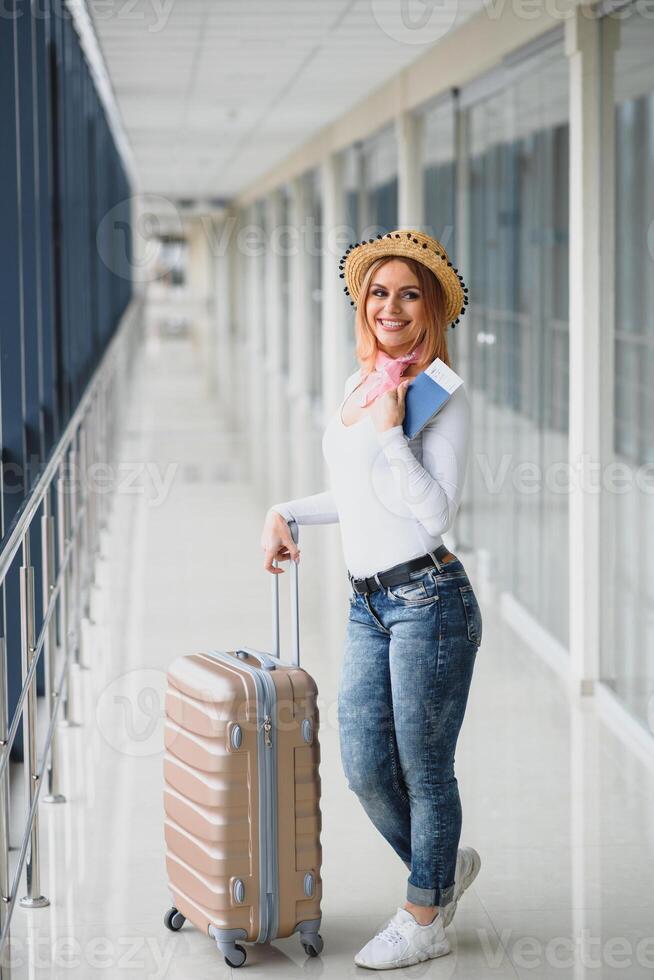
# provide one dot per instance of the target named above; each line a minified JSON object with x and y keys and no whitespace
{"x":429,"y":896}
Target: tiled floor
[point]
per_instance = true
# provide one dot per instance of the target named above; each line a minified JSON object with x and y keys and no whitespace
{"x":559,"y":811}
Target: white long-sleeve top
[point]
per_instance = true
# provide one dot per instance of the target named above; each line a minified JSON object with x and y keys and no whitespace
{"x":394,"y":497}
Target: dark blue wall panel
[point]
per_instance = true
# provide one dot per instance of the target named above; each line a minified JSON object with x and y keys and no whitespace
{"x":63,"y":296}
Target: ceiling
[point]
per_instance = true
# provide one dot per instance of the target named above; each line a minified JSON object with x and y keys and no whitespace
{"x":214,"y":93}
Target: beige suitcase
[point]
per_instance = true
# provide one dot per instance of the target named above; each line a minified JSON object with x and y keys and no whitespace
{"x":242,"y":794}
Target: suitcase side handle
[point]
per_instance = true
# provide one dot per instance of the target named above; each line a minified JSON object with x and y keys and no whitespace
{"x":268,"y":663}
{"x":295,"y":607}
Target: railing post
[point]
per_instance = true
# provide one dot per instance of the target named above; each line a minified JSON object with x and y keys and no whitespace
{"x":76,"y":570}
{"x":62,"y":540}
{"x":72,"y":535}
{"x":92,"y":493}
{"x":49,"y":649}
{"x":34,"y":898}
{"x":102,"y":455}
{"x":87,"y":543}
{"x":5,"y":969}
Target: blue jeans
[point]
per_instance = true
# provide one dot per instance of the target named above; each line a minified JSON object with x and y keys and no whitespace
{"x":409,"y":657}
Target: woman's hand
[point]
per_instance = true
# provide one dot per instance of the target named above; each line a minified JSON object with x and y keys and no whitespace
{"x":277,"y":542}
{"x":388,"y":410}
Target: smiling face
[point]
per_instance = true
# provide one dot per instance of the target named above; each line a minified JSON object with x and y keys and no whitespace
{"x":394,"y":308}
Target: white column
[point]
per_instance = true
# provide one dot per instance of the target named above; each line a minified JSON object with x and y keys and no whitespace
{"x":251,"y":246}
{"x":465,"y":335}
{"x":277,"y":440}
{"x":238,"y":324}
{"x":336,"y":358}
{"x":273,"y":279}
{"x":610,"y":39}
{"x":220,"y":350}
{"x":587,"y":342}
{"x":409,"y":175}
{"x":200,"y":290}
{"x":299,"y":338}
{"x":335,"y":365}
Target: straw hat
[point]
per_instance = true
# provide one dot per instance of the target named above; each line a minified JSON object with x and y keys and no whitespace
{"x":406,"y":244}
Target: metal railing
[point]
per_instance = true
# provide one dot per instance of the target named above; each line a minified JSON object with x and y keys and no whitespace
{"x":72,"y":510}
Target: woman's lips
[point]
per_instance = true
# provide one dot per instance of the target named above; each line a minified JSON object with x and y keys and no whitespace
{"x":392,"y":324}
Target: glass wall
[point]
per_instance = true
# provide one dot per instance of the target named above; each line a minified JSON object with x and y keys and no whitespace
{"x":437,"y":153}
{"x":284,"y":243}
{"x":353,"y":191}
{"x":312,"y":240}
{"x":517,"y":235}
{"x":437,"y":135}
{"x":65,"y":262}
{"x":259,"y":259}
{"x":379,"y":165}
{"x":627,"y":645}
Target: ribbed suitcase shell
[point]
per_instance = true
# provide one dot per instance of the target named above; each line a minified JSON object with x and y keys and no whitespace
{"x":214,"y":832}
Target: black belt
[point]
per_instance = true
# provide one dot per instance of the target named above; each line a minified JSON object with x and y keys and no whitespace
{"x":399,"y":573}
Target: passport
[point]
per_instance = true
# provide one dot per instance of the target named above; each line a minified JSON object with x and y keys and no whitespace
{"x":426,"y":395}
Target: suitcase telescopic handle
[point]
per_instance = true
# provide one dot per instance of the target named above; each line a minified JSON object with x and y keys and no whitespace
{"x":295,"y":608}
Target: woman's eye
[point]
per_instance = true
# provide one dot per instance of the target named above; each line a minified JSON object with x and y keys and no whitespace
{"x":380,"y":292}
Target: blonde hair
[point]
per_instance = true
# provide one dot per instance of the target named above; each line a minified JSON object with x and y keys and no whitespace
{"x":432,"y":329}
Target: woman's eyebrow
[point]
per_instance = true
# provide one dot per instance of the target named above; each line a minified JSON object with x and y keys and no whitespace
{"x":379,"y":285}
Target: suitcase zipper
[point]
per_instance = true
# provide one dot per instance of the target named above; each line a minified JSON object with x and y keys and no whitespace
{"x":268,"y":876}
{"x":270,"y":755}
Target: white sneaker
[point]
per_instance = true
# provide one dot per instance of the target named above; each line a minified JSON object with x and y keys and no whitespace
{"x":402,"y":942}
{"x":468,"y":864}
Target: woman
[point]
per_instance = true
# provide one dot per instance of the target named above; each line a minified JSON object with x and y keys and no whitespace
{"x":414,"y":623}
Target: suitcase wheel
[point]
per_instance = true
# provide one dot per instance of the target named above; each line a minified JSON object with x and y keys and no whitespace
{"x":174,"y":920}
{"x":312,"y":944}
{"x":237,"y":957}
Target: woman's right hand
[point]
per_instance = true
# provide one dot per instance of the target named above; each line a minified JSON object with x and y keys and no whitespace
{"x":277,"y":542}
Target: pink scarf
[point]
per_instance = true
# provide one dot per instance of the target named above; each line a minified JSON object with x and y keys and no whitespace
{"x":387,"y":373}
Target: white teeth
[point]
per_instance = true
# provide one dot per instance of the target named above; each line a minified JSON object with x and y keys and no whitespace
{"x":392,"y":323}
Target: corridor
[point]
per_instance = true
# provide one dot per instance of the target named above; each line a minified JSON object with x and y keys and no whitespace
{"x":558,"y":808}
